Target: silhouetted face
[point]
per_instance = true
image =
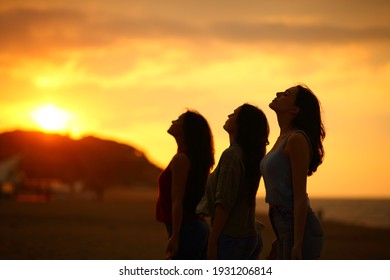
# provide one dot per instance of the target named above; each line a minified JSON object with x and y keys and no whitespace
{"x":231,"y":123}
{"x":284,"y":101}
{"x":176,"y":129}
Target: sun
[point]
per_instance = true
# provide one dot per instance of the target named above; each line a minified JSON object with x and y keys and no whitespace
{"x":51,"y":118}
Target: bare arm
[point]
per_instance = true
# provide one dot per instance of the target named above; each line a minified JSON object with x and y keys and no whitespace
{"x":298,"y":151}
{"x":180,"y":168}
{"x":227,"y":189}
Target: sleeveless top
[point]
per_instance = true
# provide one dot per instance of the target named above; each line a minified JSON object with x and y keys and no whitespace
{"x":276,"y":171}
{"x":164,"y":200}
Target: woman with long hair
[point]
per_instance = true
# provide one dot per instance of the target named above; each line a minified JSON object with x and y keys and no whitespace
{"x":296,"y":155}
{"x":182,"y":185}
{"x":232,"y":187}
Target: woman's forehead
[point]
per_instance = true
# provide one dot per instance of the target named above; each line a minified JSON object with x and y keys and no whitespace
{"x":291,"y":91}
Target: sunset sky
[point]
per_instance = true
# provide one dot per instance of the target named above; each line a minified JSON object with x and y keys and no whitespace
{"x":123,"y":70}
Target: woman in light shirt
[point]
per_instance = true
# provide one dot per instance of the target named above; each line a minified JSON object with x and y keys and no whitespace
{"x":231,"y":188}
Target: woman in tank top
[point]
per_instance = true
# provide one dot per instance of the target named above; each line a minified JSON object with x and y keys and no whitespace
{"x":182,"y":185}
{"x":296,"y":154}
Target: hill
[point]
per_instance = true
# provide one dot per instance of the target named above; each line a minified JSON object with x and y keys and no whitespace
{"x":96,"y":162}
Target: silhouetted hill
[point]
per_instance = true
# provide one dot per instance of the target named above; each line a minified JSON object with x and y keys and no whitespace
{"x":97,"y":162}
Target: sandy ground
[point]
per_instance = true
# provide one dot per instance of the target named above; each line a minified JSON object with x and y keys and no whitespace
{"x":122,"y":227}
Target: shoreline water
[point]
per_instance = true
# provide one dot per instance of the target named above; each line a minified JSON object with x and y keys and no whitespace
{"x":372,"y":213}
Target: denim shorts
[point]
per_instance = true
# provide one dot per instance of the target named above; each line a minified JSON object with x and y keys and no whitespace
{"x":193,"y":240}
{"x":282,"y":220}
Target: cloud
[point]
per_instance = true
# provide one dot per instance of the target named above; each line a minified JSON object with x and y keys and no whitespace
{"x":39,"y":31}
{"x":29,"y":29}
{"x":302,"y":33}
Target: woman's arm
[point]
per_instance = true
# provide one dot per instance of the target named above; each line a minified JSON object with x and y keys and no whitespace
{"x":226,"y":193}
{"x":220,"y":218}
{"x":180,"y":168}
{"x":298,"y":151}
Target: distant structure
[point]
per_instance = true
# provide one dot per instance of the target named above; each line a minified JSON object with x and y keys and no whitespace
{"x":10,"y":176}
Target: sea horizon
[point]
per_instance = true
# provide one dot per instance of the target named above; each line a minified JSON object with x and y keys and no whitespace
{"x":369,"y":212}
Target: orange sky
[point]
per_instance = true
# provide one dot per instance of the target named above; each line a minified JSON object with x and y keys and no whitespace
{"x":124,"y":69}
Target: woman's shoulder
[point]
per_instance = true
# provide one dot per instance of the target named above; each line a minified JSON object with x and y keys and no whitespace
{"x":298,"y":140}
{"x":299,"y":136}
{"x":180,"y":160}
{"x":234,"y":151}
{"x":180,"y":163}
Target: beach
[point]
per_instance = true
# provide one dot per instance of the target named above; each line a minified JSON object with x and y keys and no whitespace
{"x":122,"y":227}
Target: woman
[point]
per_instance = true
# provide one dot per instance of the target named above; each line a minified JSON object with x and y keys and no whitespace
{"x":296,"y":154}
{"x":232,"y":187}
{"x":182,"y":185}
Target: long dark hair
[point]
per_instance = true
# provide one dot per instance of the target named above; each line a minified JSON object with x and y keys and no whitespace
{"x":309,"y":120}
{"x":200,"y":151}
{"x":252,"y":136}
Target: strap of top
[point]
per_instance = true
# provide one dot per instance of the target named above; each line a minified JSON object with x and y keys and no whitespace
{"x":304,"y":134}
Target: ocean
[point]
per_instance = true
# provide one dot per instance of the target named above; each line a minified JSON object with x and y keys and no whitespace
{"x":363,"y":212}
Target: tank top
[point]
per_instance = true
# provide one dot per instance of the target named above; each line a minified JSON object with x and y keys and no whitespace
{"x":276,"y":171}
{"x":164,"y":200}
